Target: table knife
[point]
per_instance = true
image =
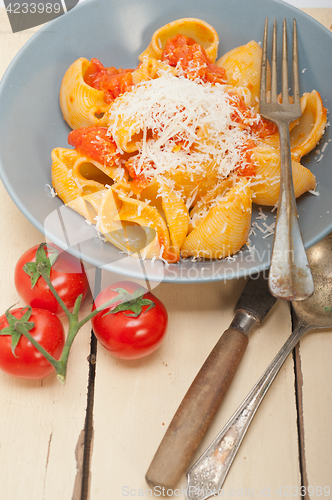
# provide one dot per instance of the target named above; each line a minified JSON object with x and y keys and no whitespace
{"x":203,"y":398}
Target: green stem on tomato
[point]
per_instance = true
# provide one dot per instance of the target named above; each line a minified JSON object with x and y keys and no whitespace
{"x":21,"y":328}
{"x":72,"y":332}
{"x":73,"y":328}
{"x":42,"y":270}
{"x":97,"y":310}
{"x":59,"y":365}
{"x":77,"y":306}
{"x":74,"y":325}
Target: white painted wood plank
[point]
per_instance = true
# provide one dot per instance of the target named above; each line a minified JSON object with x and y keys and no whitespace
{"x":316,"y":355}
{"x":135,"y":401}
{"x":41,"y":421}
{"x":322,"y":15}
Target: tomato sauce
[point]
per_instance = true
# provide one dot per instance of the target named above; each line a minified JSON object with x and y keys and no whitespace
{"x":113,"y":82}
{"x":264,"y":128}
{"x":254,"y":123}
{"x":94,"y":143}
{"x":193,"y":60}
{"x":139,"y":181}
{"x":248,"y":168}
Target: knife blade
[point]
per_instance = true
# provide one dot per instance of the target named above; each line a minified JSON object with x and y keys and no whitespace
{"x":204,"y":396}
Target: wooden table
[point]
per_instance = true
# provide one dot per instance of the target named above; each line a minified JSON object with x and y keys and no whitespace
{"x":94,"y":438}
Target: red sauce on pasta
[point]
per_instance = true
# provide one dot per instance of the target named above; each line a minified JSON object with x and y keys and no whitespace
{"x":193,"y":59}
{"x":138,"y":181}
{"x":247,"y":169}
{"x":113,"y":82}
{"x":245,"y":118}
{"x":264,"y":128}
{"x":94,"y":143}
{"x":195,"y":63}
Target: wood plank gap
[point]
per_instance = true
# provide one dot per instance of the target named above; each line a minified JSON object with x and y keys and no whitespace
{"x":300,"y":419}
{"x":88,"y":427}
{"x":47,"y":459}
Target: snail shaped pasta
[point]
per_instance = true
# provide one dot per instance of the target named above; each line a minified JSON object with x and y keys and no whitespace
{"x":81,"y":104}
{"x":169,"y":157}
{"x":305,"y":134}
{"x":243,"y":69}
{"x":266,"y":186}
{"x":78,"y":180}
{"x":310,"y":127}
{"x":85,"y":106}
{"x":225,"y":227}
{"x":307,"y":131}
{"x":199,"y":30}
{"x":118,"y":210}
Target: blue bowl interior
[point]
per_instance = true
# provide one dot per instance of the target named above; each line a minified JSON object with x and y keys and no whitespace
{"x":31,"y":123}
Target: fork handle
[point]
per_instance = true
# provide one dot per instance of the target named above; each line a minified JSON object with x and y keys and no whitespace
{"x":286,"y":280}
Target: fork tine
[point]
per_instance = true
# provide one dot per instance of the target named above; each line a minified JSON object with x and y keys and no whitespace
{"x":262,"y":96}
{"x":296,"y":89}
{"x":284,"y":72}
{"x":274,"y":97}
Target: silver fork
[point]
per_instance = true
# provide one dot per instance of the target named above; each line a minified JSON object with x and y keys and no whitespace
{"x":290,"y":276}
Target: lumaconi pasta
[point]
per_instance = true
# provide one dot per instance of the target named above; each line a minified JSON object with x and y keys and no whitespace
{"x":199,"y":30}
{"x":174,"y":152}
{"x":243,"y":68}
{"x":81,"y":105}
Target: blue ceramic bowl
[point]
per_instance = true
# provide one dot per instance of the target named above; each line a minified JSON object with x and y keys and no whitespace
{"x":31,"y":124}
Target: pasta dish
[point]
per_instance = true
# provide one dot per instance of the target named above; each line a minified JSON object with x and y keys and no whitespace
{"x":176,"y":149}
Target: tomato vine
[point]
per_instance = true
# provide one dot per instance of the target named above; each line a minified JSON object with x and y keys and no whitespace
{"x":131,"y":303}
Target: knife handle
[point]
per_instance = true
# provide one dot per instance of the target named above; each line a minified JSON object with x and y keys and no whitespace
{"x":197,"y":410}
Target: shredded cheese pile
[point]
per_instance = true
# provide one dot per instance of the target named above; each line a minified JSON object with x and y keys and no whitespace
{"x":191,"y":123}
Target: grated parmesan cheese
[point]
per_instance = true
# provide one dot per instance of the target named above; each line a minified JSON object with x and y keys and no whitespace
{"x":262,"y":215}
{"x":314,"y":192}
{"x":177,"y":109}
{"x":52,"y":191}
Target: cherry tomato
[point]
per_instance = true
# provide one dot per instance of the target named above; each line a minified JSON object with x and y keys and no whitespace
{"x":27,"y":362}
{"x":133,"y":326}
{"x":67,"y":276}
